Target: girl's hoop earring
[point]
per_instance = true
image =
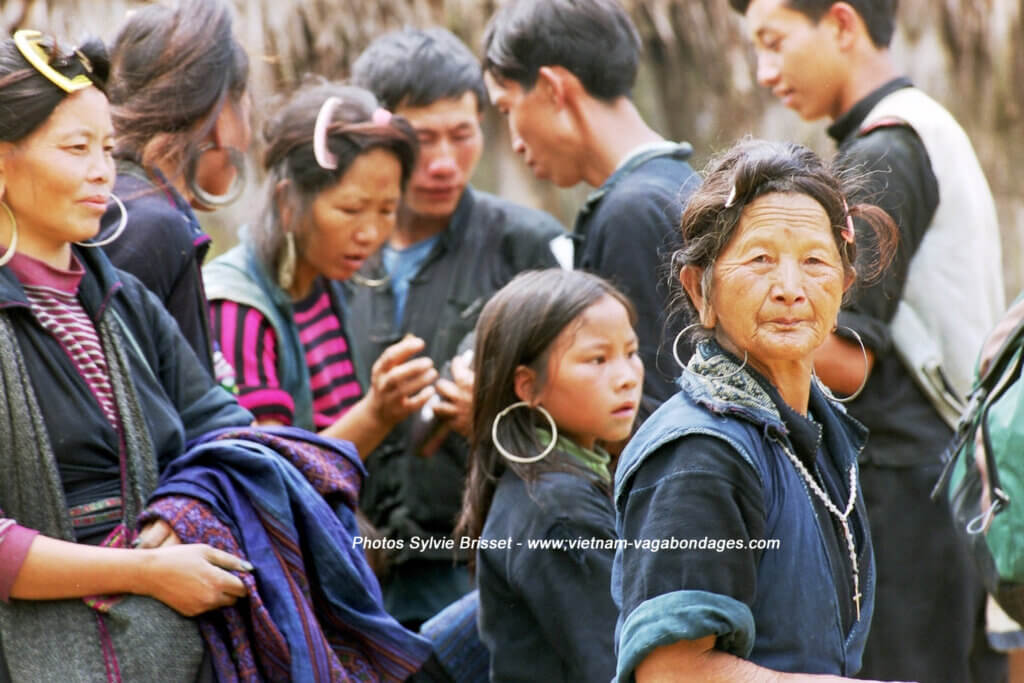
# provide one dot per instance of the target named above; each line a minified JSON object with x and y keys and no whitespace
{"x":216,"y":201}
{"x":9,"y":254}
{"x":864,"y":352}
{"x":117,"y":231}
{"x":675,"y":353}
{"x":518,"y":458}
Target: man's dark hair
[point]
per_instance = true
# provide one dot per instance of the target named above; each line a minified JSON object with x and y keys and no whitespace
{"x":417,"y":67}
{"x":879,"y":15}
{"x":593,"y":39}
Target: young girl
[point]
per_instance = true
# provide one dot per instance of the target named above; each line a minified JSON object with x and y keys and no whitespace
{"x":557,"y":371}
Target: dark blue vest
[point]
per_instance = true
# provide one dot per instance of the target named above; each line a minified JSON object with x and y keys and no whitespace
{"x":797,"y":623}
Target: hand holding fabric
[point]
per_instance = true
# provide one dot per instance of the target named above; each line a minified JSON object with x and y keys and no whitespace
{"x":192,"y":578}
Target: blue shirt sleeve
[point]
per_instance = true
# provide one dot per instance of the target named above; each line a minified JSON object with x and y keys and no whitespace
{"x":691,"y":489}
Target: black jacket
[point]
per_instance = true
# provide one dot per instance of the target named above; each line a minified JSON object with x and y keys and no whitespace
{"x":547,"y":614}
{"x":488,"y":241}
{"x":178,"y":397}
{"x":164,"y":246}
{"x":629,"y":228}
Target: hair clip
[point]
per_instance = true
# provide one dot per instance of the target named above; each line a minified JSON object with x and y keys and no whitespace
{"x":86,"y":62}
{"x":381,"y":117}
{"x":323,"y":156}
{"x":732,"y":198}
{"x":27,"y":42}
{"x":847,"y":233}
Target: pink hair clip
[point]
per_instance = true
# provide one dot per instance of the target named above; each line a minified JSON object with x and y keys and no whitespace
{"x":381,"y":117}
{"x":847,"y":232}
{"x":323,"y":155}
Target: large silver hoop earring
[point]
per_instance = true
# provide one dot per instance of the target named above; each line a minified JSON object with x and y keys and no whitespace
{"x":864,"y":352}
{"x":215,"y":201}
{"x":117,"y":231}
{"x":9,"y":254}
{"x":675,"y":353}
{"x":286,"y":267}
{"x":518,"y":458}
{"x":675,"y":344}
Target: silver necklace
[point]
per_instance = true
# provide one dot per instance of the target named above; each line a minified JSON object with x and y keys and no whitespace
{"x":373,"y":283}
{"x":843,"y":517}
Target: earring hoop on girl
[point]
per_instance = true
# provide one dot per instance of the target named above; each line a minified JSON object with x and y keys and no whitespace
{"x":864,"y":352}
{"x":216,"y":201}
{"x":9,"y":254}
{"x":286,"y":267}
{"x":518,"y":458}
{"x":675,"y":353}
{"x":117,"y":231}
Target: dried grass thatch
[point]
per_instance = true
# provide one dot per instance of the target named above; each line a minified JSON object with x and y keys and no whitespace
{"x":697,"y":81}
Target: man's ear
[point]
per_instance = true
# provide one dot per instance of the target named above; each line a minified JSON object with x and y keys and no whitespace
{"x":847,"y":24}
{"x":692,"y":279}
{"x":524,"y":381}
{"x":552,"y":81}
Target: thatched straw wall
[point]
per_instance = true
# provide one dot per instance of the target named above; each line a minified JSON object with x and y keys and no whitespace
{"x":696,"y":84}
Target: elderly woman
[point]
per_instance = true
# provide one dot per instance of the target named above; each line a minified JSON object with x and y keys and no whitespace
{"x":336,"y":165}
{"x":745,"y":482}
{"x":178,"y":89}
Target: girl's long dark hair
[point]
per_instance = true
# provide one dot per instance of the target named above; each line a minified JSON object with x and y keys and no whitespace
{"x":517,"y":328}
{"x":173,"y":69}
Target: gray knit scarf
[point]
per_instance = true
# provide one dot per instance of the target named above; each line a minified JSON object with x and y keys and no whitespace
{"x":66,"y":640}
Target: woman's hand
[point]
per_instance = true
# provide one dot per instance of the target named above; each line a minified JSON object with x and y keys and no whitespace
{"x":157,"y":534}
{"x":191,"y":578}
{"x":399,"y":383}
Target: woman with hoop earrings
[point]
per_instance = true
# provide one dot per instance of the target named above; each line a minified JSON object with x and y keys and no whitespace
{"x":98,"y":393}
{"x":178,"y":90}
{"x":336,"y":164}
{"x":122,"y":554}
{"x":557,"y":374}
{"x":753,"y":454}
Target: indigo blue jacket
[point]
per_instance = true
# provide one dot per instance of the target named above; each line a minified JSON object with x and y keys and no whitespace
{"x":793,"y":623}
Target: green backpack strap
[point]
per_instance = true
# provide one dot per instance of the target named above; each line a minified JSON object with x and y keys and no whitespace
{"x":992,"y":381}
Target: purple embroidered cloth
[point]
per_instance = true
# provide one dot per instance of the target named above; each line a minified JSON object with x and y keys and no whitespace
{"x":284,"y":499}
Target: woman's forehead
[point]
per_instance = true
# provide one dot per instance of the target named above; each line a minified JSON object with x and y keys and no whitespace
{"x":781,"y":216}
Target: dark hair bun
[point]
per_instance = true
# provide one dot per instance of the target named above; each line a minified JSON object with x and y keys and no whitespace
{"x":95,"y":50}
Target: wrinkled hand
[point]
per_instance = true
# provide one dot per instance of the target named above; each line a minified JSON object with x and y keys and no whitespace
{"x":456,"y":405}
{"x":157,"y":534}
{"x":399,"y":383}
{"x":192,"y":578}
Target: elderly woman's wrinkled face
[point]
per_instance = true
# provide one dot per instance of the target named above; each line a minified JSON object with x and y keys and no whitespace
{"x":777,"y":285}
